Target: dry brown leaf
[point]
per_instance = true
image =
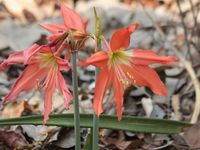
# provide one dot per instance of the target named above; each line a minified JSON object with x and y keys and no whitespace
{"x":12,"y":139}
{"x":16,"y":8}
{"x":13,"y":110}
{"x":192,"y":136}
{"x":150,"y":3}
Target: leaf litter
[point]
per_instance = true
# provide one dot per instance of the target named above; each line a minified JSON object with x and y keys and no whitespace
{"x":19,"y":29}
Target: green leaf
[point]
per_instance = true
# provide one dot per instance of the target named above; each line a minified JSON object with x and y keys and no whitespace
{"x":128,"y":123}
{"x":88,"y":142}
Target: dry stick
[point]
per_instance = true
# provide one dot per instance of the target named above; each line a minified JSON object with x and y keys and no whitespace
{"x":197,"y":26}
{"x":195,"y":29}
{"x":164,"y":146}
{"x":176,"y":106}
{"x":189,"y":69}
{"x":185,"y":29}
{"x":193,"y":15}
{"x":195,"y":81}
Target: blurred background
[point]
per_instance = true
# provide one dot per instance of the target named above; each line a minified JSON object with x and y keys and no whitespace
{"x":169,"y":27}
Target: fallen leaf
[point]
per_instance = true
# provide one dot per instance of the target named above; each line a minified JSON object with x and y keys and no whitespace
{"x":38,"y":133}
{"x":12,"y":139}
{"x":147,"y":105}
{"x":66,"y":138}
{"x":192,"y":136}
{"x":13,"y":110}
{"x":17,"y":7}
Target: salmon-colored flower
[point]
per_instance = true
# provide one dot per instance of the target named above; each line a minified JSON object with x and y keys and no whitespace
{"x":72,"y":21}
{"x":120,"y":67}
{"x":42,"y":71}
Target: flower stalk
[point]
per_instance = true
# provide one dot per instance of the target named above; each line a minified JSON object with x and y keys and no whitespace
{"x":95,"y":132}
{"x":75,"y":101}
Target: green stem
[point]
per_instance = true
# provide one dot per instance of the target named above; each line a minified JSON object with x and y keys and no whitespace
{"x":95,"y":133}
{"x":75,"y":101}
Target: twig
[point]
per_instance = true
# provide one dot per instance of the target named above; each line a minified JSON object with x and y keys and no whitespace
{"x":185,"y":30}
{"x":164,"y":146}
{"x":176,"y":106}
{"x":193,"y":14}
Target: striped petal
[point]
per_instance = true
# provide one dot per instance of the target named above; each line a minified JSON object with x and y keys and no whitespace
{"x":54,"y":27}
{"x":26,"y":81}
{"x":118,"y":95}
{"x":63,"y":64}
{"x":28,"y":53}
{"x":147,"y":57}
{"x":99,"y":59}
{"x":15,"y":58}
{"x":102,"y":84}
{"x":72,"y":19}
{"x":49,"y":88}
{"x":145,"y":76}
{"x":62,"y":87}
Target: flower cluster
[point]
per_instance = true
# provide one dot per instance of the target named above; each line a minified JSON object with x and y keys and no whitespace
{"x":118,"y":66}
{"x":44,"y":62}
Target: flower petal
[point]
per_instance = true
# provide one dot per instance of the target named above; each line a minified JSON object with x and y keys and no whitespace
{"x":118,"y":95}
{"x":102,"y":83}
{"x":99,"y":59}
{"x":67,"y":54}
{"x":62,"y":87}
{"x":145,"y":76}
{"x":147,"y":57}
{"x":47,"y":104}
{"x":14,"y":58}
{"x":49,"y":88}
{"x":26,"y":81}
{"x":121,"y":38}
{"x":72,"y":19}
{"x":63,"y":64}
{"x":29,"y":52}
{"x":54,"y":27}
{"x":55,"y":36}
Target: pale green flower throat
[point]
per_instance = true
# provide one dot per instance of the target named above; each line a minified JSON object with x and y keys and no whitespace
{"x":119,"y":57}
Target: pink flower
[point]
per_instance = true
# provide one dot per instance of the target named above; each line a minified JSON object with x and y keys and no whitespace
{"x":43,"y":71}
{"x":72,"y":21}
{"x":120,"y":67}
